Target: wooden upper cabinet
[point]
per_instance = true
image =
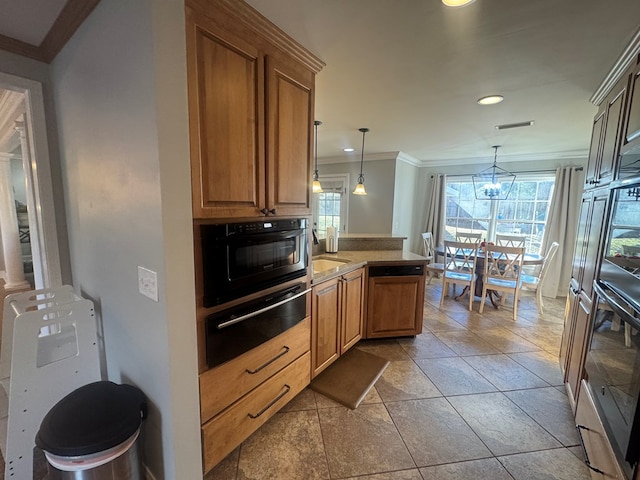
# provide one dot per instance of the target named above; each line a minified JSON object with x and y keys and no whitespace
{"x":227,"y":160}
{"x":606,"y":137}
{"x":632,"y":129}
{"x":290,"y":124}
{"x":251,"y":99}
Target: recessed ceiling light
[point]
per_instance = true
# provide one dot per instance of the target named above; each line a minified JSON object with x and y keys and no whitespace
{"x":490,"y":99}
{"x":457,"y":3}
{"x":349,"y":149}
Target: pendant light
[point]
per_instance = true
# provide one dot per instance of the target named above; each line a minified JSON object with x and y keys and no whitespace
{"x":317,"y":188}
{"x":359,"y":190}
{"x":493,"y":183}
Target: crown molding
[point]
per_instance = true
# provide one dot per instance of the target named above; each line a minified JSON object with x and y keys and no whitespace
{"x":71,"y":17}
{"x":627,"y":57}
{"x":354,"y":157}
{"x":570,"y":155}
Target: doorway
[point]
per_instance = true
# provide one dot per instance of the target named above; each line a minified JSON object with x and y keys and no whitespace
{"x":29,"y":255}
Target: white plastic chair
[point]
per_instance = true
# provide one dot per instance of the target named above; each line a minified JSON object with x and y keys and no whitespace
{"x":533,"y":283}
{"x":428,"y":250}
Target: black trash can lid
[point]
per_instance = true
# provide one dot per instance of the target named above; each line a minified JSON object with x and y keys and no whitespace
{"x":91,"y":419}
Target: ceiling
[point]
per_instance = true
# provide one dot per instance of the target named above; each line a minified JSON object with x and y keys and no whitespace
{"x":412,"y":70}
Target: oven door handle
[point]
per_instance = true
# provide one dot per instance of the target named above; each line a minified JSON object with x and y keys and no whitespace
{"x":618,"y":309}
{"x":247,"y":316}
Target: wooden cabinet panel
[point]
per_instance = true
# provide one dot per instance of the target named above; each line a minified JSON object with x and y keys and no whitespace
{"x":325,"y":334}
{"x":290,"y":107}
{"x":567,"y":331}
{"x":337,"y":318}
{"x":594,"y":239}
{"x":594,"y":438}
{"x":225,"y":103}
{"x":352,"y":309}
{"x":581,"y":334}
{"x":394,"y":306}
{"x":612,"y":133}
{"x":226,"y":431}
{"x":595,"y":150}
{"x":223,"y":385}
{"x":632,"y":130}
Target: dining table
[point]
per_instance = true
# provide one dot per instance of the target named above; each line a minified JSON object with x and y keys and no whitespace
{"x":478,"y":258}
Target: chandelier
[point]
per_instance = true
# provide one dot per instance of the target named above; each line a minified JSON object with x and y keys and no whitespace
{"x":493,"y":183}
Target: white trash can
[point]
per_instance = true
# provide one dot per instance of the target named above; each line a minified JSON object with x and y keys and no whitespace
{"x":92,"y":433}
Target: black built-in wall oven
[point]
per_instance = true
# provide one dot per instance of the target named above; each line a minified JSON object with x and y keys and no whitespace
{"x":242,"y":259}
{"x":613,"y":359}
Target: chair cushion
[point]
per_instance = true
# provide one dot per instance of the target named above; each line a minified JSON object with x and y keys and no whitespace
{"x":529,"y":280}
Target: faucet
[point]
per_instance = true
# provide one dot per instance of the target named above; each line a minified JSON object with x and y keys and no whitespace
{"x":315,"y":237}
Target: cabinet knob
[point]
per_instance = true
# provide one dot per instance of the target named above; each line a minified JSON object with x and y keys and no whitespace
{"x":264,"y":211}
{"x":272,"y":211}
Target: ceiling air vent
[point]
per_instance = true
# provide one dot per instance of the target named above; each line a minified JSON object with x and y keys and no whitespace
{"x":515,"y":125}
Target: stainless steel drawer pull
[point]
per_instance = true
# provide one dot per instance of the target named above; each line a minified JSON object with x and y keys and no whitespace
{"x":579,"y":428}
{"x":272,"y":402}
{"x":284,"y":351}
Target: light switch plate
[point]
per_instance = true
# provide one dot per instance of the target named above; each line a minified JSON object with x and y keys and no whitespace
{"x":148,"y":283}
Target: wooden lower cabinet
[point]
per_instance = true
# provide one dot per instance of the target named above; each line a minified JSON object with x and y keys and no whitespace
{"x":226,"y":431}
{"x":337,"y":318}
{"x":596,"y":444}
{"x":249,"y":370}
{"x":395,"y":305}
{"x":577,"y":353}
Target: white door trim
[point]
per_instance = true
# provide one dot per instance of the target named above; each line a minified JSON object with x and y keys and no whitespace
{"x":44,"y":233}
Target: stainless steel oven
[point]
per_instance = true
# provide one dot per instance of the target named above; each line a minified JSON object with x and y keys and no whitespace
{"x":237,"y":330}
{"x":613,"y":359}
{"x":243,"y":258}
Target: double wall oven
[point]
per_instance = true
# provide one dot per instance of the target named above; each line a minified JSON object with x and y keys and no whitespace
{"x":240,"y":260}
{"x":613,"y":359}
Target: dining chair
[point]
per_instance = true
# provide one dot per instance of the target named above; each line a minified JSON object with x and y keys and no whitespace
{"x":469,"y":237}
{"x":502,"y":270}
{"x":534,"y":283}
{"x":460,"y":268}
{"x":428,"y":250}
{"x":505,"y":240}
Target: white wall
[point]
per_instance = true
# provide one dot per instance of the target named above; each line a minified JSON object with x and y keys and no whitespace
{"x":372,"y":213}
{"x":120,"y":94}
{"x":404,"y":217}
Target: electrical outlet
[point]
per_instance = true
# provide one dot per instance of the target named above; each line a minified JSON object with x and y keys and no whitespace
{"x":148,"y":283}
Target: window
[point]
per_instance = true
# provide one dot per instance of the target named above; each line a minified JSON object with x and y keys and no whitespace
{"x":330,"y":207}
{"x":524,"y":212}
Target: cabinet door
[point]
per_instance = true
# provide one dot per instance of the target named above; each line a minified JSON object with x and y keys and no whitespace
{"x":352,"y":285}
{"x":225,"y":102}
{"x":567,"y":331}
{"x":595,"y":150}
{"x":612,"y":133}
{"x":325,"y":321}
{"x":582,"y":233}
{"x":594,"y":240}
{"x":632,"y":130}
{"x":394,"y":306}
{"x":290,"y":123}
{"x":575,"y":364}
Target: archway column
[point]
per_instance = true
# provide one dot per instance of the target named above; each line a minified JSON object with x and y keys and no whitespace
{"x":9,"y":234}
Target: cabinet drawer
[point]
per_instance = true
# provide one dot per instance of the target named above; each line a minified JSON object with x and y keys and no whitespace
{"x":223,"y":385}
{"x":226,"y":431}
{"x":595,"y":441}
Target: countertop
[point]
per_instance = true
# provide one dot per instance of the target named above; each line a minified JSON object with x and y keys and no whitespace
{"x":358,"y":258}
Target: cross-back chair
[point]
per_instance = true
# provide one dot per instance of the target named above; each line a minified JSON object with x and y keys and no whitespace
{"x":460,"y":268}
{"x":502,"y":270}
{"x":468,"y":237}
{"x":505,"y":240}
{"x":428,"y":250}
{"x":531,"y":282}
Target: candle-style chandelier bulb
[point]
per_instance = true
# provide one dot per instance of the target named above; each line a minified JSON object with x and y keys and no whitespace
{"x":359,"y":190}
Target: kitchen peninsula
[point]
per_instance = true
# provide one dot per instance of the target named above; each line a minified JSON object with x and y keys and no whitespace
{"x":358,"y":294}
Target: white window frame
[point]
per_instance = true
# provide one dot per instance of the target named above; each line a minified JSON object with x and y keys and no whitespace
{"x":344,"y":201}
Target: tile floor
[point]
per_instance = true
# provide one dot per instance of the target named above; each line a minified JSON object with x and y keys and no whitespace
{"x":473,"y":397}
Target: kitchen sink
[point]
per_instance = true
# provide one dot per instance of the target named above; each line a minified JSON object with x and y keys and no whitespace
{"x":324,"y":264}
